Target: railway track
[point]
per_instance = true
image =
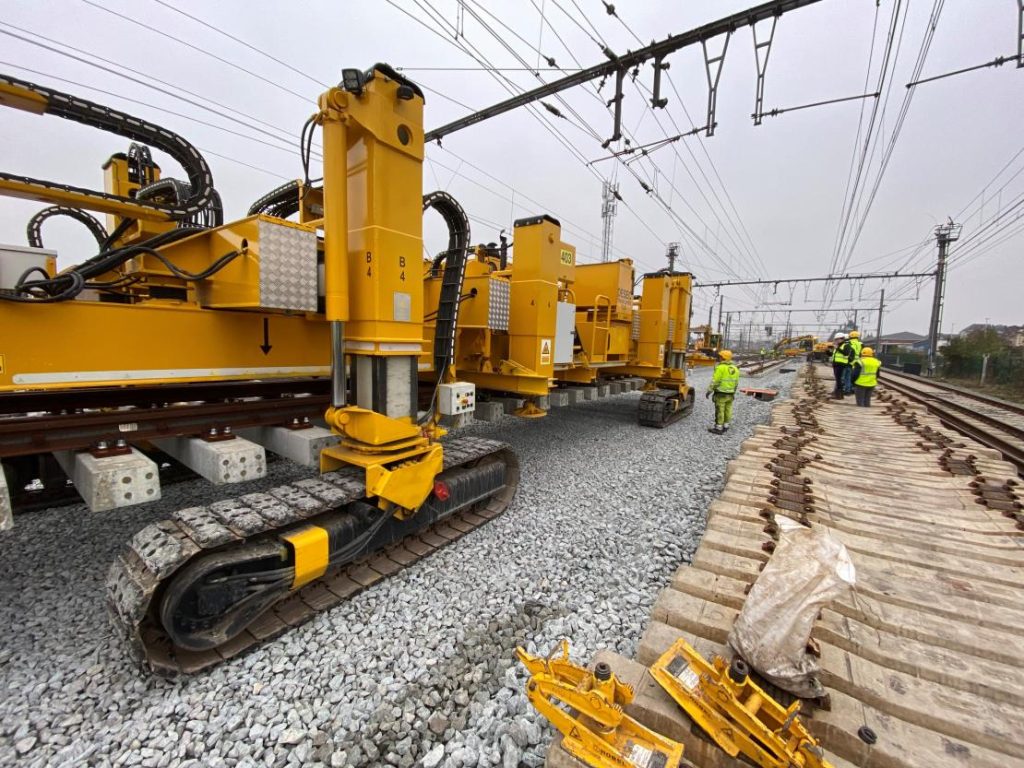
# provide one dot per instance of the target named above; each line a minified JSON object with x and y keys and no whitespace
{"x":757,"y":367}
{"x":996,"y":423}
{"x":34,"y":424}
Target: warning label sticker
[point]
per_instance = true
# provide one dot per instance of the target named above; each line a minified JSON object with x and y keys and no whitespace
{"x":402,"y":307}
{"x":640,"y":756}
{"x":545,"y":351}
{"x":687,"y":676}
{"x":567,"y":257}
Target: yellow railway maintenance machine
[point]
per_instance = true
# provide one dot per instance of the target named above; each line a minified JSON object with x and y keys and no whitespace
{"x":174,"y":296}
{"x":539,"y":319}
{"x":516,"y":321}
{"x":705,"y":351}
{"x":661,"y":333}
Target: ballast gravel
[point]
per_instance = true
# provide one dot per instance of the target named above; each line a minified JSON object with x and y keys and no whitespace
{"x":417,"y":670}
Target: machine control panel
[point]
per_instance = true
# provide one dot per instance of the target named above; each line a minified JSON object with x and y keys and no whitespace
{"x":456,"y":398}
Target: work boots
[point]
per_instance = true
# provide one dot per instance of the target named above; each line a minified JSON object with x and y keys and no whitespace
{"x":716,"y":430}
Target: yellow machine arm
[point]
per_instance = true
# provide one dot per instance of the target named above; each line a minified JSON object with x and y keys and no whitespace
{"x":38,"y":99}
{"x":805,"y":342}
{"x":598,"y":732}
{"x":735,"y":712}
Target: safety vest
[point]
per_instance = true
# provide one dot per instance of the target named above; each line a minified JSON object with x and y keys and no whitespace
{"x":857,"y":347}
{"x":868,"y":372}
{"x":726,"y":378}
{"x":840,"y":356}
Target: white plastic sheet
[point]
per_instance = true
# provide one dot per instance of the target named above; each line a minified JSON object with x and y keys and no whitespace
{"x":809,"y":569}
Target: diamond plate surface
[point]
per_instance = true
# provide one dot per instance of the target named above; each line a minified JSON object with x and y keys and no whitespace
{"x":288,"y":271}
{"x":497,"y":310}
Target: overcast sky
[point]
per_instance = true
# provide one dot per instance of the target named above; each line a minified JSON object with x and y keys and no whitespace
{"x":749,"y":202}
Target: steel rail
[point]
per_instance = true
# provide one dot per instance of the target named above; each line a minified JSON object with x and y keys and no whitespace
{"x":1006,"y":405}
{"x":25,"y":435}
{"x":768,"y":364}
{"x":968,"y":422}
{"x":55,"y":401}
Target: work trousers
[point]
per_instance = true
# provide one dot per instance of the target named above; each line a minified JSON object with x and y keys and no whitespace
{"x":863,"y":395}
{"x":723,"y":407}
{"x":839,"y":372}
{"x":847,"y":379}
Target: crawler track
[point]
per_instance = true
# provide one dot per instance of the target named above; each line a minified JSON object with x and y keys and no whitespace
{"x":996,"y":423}
{"x":662,"y":407}
{"x":159,"y":550}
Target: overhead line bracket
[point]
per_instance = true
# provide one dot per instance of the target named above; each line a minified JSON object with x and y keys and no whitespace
{"x":762,"y":66}
{"x":714,"y":63}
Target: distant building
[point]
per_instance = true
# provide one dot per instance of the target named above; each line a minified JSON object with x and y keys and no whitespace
{"x":904,"y":340}
{"x":1013,"y":335}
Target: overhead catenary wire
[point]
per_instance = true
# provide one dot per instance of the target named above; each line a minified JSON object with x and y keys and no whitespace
{"x":898,"y":127}
{"x":707,"y":237}
{"x":976,"y":205}
{"x":512,"y":88}
{"x":505,"y":82}
{"x":984,"y":239}
{"x":749,"y":246}
{"x":648,"y":183}
{"x":566,"y":223}
{"x":198,"y":49}
{"x":759,"y":263}
{"x":854,"y":185}
{"x":998,"y":61}
{"x":239,"y":40}
{"x":243,"y":43}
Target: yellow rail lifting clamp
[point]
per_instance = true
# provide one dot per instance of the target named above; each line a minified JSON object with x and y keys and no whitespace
{"x":735,"y":712}
{"x":597,"y":731}
{"x":530,"y":410}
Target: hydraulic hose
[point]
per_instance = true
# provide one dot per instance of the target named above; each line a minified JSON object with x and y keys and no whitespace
{"x":176,"y":191}
{"x":282,"y":201}
{"x":33,"y":230}
{"x":456,"y":220}
{"x":454,"y":260}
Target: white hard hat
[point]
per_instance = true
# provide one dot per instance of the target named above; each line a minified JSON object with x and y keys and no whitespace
{"x":839,"y":336}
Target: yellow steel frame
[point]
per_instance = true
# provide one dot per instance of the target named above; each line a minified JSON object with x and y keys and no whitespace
{"x":599,"y":732}
{"x":124,"y":209}
{"x":89,"y":343}
{"x":514,"y":361}
{"x":738,"y":715}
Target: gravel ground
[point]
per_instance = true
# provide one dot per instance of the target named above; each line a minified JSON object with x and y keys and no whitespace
{"x":417,"y":670}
